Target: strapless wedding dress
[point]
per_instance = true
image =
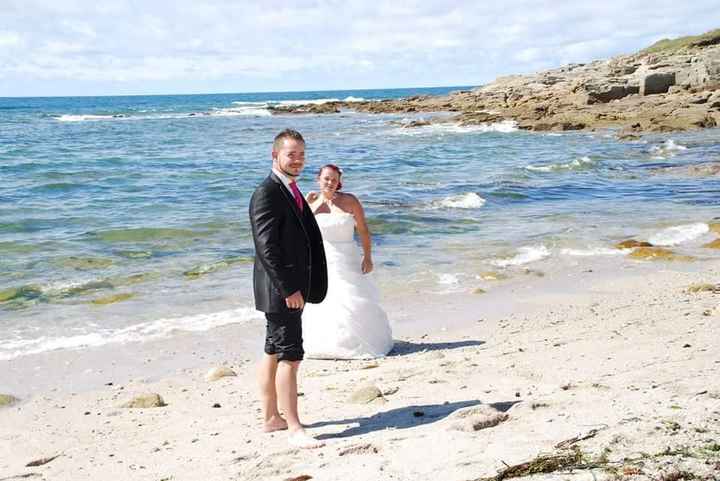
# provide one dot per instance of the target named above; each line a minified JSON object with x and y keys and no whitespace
{"x":349,"y":323}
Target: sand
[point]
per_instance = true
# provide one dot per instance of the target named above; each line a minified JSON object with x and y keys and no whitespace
{"x":478,"y":382}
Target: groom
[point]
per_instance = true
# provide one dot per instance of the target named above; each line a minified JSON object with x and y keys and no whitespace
{"x":290,"y":269}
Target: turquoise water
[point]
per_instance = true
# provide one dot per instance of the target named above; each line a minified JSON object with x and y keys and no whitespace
{"x":125,"y":218}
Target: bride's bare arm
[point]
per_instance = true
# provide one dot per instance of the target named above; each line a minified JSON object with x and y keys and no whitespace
{"x":364,"y":234}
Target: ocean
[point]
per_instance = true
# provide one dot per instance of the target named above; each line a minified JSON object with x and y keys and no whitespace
{"x":124,"y":219}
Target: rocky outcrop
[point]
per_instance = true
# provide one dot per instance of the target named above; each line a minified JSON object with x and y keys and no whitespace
{"x":151,"y":400}
{"x":671,"y":86}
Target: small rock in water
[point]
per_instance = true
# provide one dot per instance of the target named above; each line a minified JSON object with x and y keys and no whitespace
{"x":631,"y":244}
{"x":657,"y":253}
{"x":479,"y":290}
{"x":7,"y":400}
{"x":145,"y":401}
{"x":216,"y":405}
{"x":219,"y":372}
{"x":713,"y":245}
{"x":365,"y":394}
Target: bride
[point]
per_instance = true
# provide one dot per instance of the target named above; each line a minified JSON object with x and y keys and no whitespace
{"x":349,"y":324}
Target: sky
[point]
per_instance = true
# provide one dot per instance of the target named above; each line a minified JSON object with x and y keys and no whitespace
{"x":128,"y":47}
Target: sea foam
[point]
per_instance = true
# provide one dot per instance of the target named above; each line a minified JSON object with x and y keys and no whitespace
{"x":580,"y":163}
{"x":155,"y":329}
{"x":468,"y":200}
{"x":525,"y":255}
{"x":679,"y":234}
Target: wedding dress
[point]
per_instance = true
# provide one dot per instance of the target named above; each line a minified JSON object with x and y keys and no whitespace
{"x":349,"y":323}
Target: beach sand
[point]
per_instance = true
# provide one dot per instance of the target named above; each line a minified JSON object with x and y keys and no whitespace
{"x":478,"y":382}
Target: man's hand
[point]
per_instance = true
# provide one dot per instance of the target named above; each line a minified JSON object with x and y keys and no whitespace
{"x":367,"y":265}
{"x":295,"y":301}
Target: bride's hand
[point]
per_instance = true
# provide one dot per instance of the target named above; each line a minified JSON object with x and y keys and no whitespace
{"x":367,"y":265}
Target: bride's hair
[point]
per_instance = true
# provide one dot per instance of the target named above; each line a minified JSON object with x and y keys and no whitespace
{"x":336,"y":169}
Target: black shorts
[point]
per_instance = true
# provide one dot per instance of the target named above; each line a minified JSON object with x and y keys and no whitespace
{"x":283,"y":336}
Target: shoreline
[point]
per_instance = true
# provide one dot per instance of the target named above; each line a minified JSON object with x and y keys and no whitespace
{"x":588,"y":348}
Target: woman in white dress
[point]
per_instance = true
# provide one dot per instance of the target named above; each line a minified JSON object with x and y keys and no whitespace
{"x":349,"y":323}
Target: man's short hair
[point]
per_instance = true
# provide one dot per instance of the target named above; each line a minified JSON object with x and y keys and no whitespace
{"x":286,"y":134}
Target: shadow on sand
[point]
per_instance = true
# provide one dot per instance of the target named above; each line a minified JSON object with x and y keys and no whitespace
{"x":402,"y":418}
{"x":403,"y":348}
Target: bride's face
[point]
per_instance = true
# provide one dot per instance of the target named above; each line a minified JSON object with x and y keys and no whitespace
{"x":328,"y":181}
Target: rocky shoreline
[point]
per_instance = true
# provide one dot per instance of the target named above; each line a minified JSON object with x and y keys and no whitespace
{"x":671,"y":86}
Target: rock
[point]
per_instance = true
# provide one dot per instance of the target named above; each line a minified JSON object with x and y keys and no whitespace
{"x":101,"y":301}
{"x":219,"y":372}
{"x":632,"y":243}
{"x":657,"y":253}
{"x":390,"y":391}
{"x":479,"y":290}
{"x":704,"y":288}
{"x":713,"y":245}
{"x":475,"y":418}
{"x":606,"y":93}
{"x":657,"y":83}
{"x":714,"y":227}
{"x":145,"y":401}
{"x":41,"y":461}
{"x":7,"y":400}
{"x":492,"y":276}
{"x":365,"y":395}
{"x":415,"y":123}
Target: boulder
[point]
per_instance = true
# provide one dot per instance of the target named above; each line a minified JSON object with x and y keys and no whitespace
{"x":657,"y":83}
{"x":145,"y":401}
{"x":218,"y":373}
{"x":365,"y":395}
{"x":631,"y":244}
{"x":606,"y":93}
{"x":7,"y":400}
{"x":713,"y":245}
{"x":475,"y":418}
{"x":657,"y":254}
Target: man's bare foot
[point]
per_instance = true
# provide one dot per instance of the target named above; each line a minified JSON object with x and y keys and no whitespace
{"x":275,"y":423}
{"x":300,"y":439}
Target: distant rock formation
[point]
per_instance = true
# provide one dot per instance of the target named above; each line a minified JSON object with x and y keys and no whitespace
{"x":672,"y":85}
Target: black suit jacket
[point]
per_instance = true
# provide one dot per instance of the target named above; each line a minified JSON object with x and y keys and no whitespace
{"x":289,"y":253}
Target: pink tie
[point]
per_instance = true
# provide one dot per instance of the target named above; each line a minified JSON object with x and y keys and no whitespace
{"x":298,"y":195}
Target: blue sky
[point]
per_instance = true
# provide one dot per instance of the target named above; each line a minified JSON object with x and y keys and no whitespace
{"x":83,"y":47}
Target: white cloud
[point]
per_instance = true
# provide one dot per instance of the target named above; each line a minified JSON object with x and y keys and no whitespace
{"x":319,"y":44}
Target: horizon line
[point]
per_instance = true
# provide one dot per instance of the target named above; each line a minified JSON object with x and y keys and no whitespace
{"x":226,"y":93}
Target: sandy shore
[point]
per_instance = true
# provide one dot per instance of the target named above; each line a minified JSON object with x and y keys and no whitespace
{"x":477,"y":383}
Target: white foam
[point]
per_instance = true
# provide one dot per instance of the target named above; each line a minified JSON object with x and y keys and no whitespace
{"x":468,"y":200}
{"x":577,"y":164}
{"x":305,"y":102}
{"x":252,"y":111}
{"x":87,"y":117}
{"x":669,"y":147}
{"x":679,"y":234}
{"x":595,"y":251}
{"x":506,"y":126}
{"x":156,"y":329}
{"x":525,"y":255}
{"x":448,"y":279}
{"x":354,"y":99}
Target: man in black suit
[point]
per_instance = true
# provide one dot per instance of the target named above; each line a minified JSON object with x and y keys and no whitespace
{"x":290,"y":269}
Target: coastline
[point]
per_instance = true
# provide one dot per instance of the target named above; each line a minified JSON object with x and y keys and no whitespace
{"x":626,"y":351}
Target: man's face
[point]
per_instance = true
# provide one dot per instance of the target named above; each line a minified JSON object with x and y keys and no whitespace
{"x":290,"y":158}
